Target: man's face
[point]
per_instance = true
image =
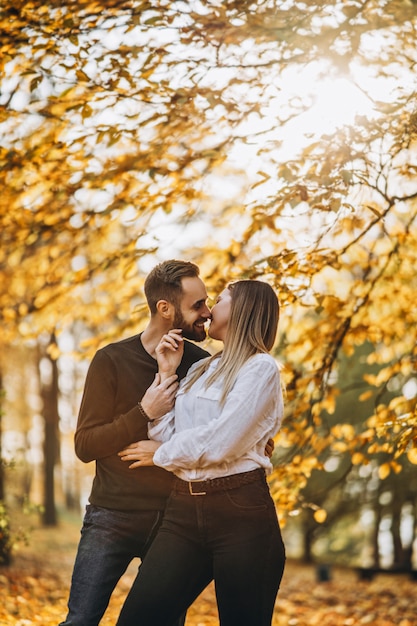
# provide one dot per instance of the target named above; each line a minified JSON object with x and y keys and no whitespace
{"x":193,"y":311}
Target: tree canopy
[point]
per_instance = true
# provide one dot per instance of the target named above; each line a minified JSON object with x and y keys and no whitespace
{"x":269,"y":139}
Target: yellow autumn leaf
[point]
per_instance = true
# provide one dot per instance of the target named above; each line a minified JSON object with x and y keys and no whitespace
{"x":367,"y":434}
{"x":345,"y":431}
{"x":329,"y":404}
{"x":412,"y":456}
{"x":54,"y":351}
{"x":320,"y":516}
{"x":339,"y":446}
{"x":384,"y":471}
{"x":396,"y":467}
{"x":366,"y":395}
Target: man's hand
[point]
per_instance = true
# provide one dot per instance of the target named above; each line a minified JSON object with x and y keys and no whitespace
{"x":140,"y":452}
{"x":169,"y":352}
{"x":159,"y":398}
{"x":269,"y":448}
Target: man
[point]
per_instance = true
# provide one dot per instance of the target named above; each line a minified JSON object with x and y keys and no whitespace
{"x":126,"y":506}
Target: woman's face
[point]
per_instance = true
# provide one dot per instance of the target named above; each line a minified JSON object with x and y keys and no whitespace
{"x":220,"y":314}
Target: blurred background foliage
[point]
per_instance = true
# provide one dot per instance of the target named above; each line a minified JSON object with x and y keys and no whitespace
{"x":260,"y":139}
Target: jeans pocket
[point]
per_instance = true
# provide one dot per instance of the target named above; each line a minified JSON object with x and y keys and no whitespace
{"x":252,"y":497}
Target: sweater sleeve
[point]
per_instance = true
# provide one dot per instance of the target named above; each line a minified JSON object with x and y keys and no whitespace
{"x":99,"y":431}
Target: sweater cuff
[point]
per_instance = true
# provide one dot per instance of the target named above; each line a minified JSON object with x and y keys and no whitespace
{"x":143,"y":413}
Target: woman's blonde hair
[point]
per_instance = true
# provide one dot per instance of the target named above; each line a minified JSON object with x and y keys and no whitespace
{"x":252,"y":328}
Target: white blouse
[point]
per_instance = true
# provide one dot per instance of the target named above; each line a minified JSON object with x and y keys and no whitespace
{"x":204,"y":440}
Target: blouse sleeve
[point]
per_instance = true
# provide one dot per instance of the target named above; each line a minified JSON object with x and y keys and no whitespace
{"x":253,"y":410}
{"x":163,"y":428}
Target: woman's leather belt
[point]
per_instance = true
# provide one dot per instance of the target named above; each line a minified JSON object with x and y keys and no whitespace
{"x":211,"y":485}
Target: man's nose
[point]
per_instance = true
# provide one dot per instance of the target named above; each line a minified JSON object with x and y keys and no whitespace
{"x":207,"y":312}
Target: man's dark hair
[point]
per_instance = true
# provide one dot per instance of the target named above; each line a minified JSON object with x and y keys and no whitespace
{"x":164,"y":282}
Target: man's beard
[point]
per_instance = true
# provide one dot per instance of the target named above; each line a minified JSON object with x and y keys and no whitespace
{"x":189,"y":331}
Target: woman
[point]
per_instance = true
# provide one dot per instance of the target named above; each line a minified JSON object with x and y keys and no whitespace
{"x":220,"y":519}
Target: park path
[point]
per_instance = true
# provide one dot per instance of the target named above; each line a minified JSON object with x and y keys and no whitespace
{"x":33,"y":591}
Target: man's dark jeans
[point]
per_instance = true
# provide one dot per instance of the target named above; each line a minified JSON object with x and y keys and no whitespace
{"x":109,"y":541}
{"x":234,"y":534}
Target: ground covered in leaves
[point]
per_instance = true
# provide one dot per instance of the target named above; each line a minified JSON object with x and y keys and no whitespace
{"x":33,"y":591}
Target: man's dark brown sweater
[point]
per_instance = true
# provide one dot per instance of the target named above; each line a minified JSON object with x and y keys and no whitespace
{"x":109,"y":420}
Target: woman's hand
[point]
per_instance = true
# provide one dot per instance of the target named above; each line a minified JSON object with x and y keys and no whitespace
{"x":169,"y":352}
{"x":140,"y":452}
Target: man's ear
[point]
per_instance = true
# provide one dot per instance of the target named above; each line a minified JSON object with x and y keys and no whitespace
{"x":165,"y":309}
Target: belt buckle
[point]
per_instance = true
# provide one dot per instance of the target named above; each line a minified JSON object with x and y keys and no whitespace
{"x":195,"y":493}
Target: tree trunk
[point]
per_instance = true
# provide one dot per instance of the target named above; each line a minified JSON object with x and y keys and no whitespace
{"x":398,"y":556}
{"x":308,"y":543}
{"x":49,"y":391}
{"x":411,"y":556}
{"x":2,"y":494}
{"x":5,"y":550}
{"x":375,"y":535}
